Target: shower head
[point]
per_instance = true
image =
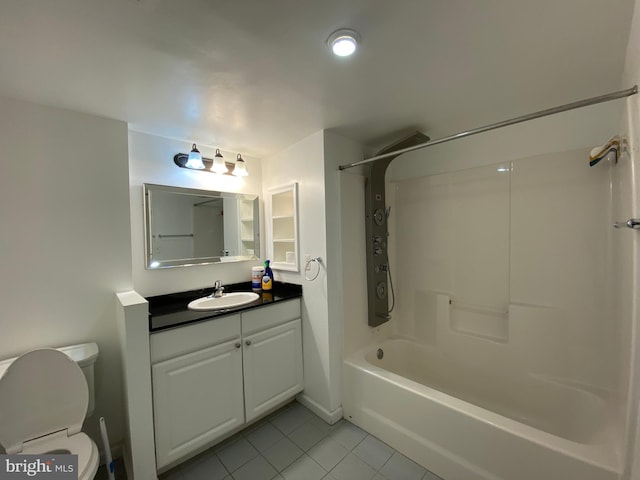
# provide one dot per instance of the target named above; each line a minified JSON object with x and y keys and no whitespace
{"x":415,"y":138}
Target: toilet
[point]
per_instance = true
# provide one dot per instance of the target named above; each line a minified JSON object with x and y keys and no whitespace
{"x":45,"y":395}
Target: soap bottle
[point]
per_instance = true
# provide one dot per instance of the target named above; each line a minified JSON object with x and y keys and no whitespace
{"x":267,"y":279}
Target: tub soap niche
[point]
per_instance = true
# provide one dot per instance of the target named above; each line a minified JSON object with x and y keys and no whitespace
{"x":438,"y":312}
{"x":479,"y":320}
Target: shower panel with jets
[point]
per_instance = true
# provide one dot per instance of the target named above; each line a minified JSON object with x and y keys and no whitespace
{"x":377,"y":230}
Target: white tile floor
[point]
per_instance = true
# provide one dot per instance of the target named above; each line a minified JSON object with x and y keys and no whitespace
{"x":295,"y":444}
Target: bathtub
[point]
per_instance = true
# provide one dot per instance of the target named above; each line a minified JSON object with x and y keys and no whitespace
{"x":465,"y":426}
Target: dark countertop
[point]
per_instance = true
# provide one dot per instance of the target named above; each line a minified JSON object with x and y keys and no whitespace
{"x":169,"y":311}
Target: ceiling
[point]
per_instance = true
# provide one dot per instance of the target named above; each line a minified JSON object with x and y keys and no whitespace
{"x":256,"y":75}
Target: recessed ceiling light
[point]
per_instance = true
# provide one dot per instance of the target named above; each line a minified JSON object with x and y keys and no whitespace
{"x":343,"y":42}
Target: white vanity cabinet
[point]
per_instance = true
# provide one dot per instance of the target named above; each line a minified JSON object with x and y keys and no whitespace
{"x":212,"y":377}
{"x":272,"y":353}
{"x":196,"y":374}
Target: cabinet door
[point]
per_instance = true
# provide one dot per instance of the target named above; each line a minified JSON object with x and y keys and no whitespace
{"x":272,"y":367}
{"x":197,"y":397}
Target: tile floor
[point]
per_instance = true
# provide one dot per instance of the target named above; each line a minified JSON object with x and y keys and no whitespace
{"x":295,"y":444}
{"x":119,"y":471}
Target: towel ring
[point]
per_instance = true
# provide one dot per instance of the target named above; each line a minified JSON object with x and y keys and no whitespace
{"x":317,"y":260}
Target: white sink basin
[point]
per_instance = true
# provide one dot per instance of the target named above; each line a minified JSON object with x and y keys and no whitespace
{"x":228,"y":300}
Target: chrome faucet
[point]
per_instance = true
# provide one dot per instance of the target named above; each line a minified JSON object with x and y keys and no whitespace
{"x":218,"y":290}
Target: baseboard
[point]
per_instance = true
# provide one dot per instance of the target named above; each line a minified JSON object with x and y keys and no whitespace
{"x":330,"y":417}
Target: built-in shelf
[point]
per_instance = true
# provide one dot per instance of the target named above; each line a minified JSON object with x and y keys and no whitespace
{"x":282,"y":244}
{"x":246,"y":225}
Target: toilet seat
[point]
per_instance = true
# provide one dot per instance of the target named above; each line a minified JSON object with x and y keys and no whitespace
{"x":79,"y":444}
{"x":43,"y":402}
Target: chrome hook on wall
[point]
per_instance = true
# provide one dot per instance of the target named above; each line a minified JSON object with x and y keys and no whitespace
{"x":631,"y":223}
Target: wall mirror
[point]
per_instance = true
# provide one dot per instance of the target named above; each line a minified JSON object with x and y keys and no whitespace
{"x":186,"y":226}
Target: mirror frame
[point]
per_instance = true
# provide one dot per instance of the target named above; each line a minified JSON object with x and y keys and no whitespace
{"x":147,"y":195}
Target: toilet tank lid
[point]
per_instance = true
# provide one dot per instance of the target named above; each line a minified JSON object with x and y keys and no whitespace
{"x":83,"y":354}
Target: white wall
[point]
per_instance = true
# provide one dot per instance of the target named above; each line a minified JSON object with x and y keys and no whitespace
{"x":339,"y":211}
{"x":303,"y":163}
{"x":208,"y":229}
{"x":313,"y":164}
{"x":151,"y":161}
{"x":173,"y":215}
{"x":65,"y":239}
{"x":133,"y":330}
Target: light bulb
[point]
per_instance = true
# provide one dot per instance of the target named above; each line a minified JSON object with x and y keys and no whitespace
{"x":218,"y":163}
{"x":343,"y":42}
{"x":195,"y":159}
{"x":240,"y":170}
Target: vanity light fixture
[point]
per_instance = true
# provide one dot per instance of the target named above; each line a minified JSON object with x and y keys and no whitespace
{"x":343,"y":42}
{"x":195,"y":161}
{"x":240,"y":170}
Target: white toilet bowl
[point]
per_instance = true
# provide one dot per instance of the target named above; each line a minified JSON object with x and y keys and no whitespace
{"x":43,"y":401}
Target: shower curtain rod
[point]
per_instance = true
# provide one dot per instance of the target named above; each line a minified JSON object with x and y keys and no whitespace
{"x":512,"y":121}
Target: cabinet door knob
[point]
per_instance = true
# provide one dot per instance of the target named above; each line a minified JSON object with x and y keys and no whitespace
{"x":247,"y":343}
{"x":238,"y":344}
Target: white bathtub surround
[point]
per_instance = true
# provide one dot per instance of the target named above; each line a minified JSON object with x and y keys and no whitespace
{"x":402,"y":399}
{"x":537,"y":235}
{"x":513,"y":268}
{"x":507,"y":350}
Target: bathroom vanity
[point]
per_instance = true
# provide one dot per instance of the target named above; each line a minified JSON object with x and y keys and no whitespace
{"x":213,"y":372}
